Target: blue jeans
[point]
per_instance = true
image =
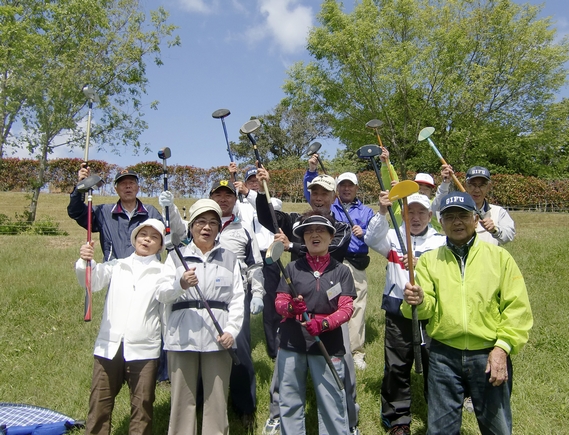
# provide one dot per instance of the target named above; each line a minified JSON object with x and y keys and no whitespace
{"x":455,"y":374}
{"x":293,"y":370}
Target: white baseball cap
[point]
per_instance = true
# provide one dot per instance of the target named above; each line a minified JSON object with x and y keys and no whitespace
{"x":325,"y":181}
{"x":347,"y":176}
{"x":419,"y":199}
{"x":203,"y":205}
{"x":154,"y":223}
{"x":425,"y":179}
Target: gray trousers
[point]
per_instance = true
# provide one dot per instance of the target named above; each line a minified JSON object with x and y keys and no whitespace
{"x":349,"y":384}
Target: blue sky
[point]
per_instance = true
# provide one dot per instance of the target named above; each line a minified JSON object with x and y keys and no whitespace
{"x":234,"y":55}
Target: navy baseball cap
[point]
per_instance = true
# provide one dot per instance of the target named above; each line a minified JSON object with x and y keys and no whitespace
{"x":478,"y":172}
{"x":126,"y":173}
{"x":250,"y":173}
{"x":457,"y":199}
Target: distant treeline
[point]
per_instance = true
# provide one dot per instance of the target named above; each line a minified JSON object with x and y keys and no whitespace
{"x":510,"y":191}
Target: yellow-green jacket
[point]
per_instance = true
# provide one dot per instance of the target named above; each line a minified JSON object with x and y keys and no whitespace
{"x":484,"y":307}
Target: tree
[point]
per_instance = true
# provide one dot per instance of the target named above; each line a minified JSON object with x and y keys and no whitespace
{"x":476,"y":71}
{"x":100,"y":43}
{"x":284,"y":136}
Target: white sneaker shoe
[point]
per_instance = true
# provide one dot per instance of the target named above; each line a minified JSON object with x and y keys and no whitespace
{"x":272,"y":427}
{"x":468,"y":406}
{"x":359,"y":361}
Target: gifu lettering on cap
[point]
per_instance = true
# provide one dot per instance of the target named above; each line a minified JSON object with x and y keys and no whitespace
{"x":478,"y":171}
{"x":454,"y":199}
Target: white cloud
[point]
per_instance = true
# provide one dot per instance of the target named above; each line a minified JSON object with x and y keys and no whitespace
{"x":286,"y":21}
{"x":201,"y":6}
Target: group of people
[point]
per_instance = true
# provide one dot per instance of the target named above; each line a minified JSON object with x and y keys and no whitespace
{"x":469,"y":295}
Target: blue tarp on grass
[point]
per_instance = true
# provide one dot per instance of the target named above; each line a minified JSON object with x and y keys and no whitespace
{"x":21,"y":419}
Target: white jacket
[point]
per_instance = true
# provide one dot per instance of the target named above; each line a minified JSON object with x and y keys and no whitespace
{"x":132,"y":311}
{"x":384,"y":240}
{"x":219,"y":277}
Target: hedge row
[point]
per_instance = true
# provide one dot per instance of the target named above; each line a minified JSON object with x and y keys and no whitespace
{"x":510,"y":191}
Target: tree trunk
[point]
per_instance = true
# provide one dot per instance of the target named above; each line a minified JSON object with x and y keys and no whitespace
{"x":39,"y":182}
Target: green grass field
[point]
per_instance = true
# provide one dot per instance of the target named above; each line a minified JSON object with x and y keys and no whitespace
{"x":46,"y":347}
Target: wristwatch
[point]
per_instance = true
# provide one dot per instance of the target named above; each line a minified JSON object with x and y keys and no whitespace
{"x":290,"y":246}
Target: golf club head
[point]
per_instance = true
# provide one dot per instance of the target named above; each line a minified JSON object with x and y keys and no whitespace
{"x":274,"y":252}
{"x":250,"y":126}
{"x":425,"y":133}
{"x":90,"y":93}
{"x":369,"y":151}
{"x":374,"y":123}
{"x":164,"y":153}
{"x":92,"y":182}
{"x":403,"y":189}
{"x":221,"y":113}
{"x":313,"y":148}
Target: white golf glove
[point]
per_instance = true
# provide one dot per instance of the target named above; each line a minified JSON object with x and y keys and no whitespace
{"x":256,"y":305}
{"x":166,"y":199}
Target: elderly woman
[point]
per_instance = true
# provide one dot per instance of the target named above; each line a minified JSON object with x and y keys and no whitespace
{"x":194,"y":347}
{"x":326,"y":292}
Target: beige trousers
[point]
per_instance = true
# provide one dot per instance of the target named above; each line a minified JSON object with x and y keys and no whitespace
{"x":357,"y":324}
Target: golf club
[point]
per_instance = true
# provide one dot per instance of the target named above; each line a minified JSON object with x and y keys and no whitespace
{"x":313,"y":149}
{"x":174,"y":245}
{"x":274,"y":253}
{"x":369,"y":152}
{"x":375,"y":124}
{"x":93,"y":98}
{"x":403,"y":190}
{"x":86,"y":186}
{"x":222,"y":114}
{"x":248,"y":128}
{"x":165,"y":154}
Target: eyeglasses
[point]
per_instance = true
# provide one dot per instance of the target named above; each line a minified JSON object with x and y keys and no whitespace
{"x":319,"y":229}
{"x":203,"y":222}
{"x":477,"y":185}
{"x":462,"y":216}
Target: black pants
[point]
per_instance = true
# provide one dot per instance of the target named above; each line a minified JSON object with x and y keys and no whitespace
{"x":271,"y":319}
{"x":242,"y":384}
{"x":396,"y":385}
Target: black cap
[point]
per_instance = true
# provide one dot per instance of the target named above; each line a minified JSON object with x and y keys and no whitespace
{"x":126,"y":173}
{"x":222,"y":183}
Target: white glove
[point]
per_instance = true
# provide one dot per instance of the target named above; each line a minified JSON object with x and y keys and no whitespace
{"x":166,"y":199}
{"x":257,"y":305}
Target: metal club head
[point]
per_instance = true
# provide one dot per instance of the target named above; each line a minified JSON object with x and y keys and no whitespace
{"x":90,"y":93}
{"x":374,"y":123}
{"x":92,"y":182}
{"x":250,"y":126}
{"x":425,"y":133}
{"x":164,"y":153}
{"x":274,"y":252}
{"x":369,"y":151}
{"x":221,"y":113}
{"x":403,"y":189}
{"x":313,"y":148}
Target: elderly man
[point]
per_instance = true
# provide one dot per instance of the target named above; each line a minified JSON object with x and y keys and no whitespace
{"x":398,"y":348}
{"x":495,"y":226}
{"x":357,"y":257}
{"x":474,"y":296}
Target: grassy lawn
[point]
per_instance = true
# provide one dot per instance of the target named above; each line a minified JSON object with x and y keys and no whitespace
{"x":46,"y":356}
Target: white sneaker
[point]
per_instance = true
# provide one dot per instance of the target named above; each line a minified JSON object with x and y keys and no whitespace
{"x":359,"y":361}
{"x":355,"y":431}
{"x":272,"y":427}
{"x":468,"y":406}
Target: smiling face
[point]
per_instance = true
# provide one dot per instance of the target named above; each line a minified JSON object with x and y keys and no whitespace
{"x":347,"y":191}
{"x":478,"y":188}
{"x":252,"y":183}
{"x":428,"y":191}
{"x":321,"y":199}
{"x":148,"y":241}
{"x":204,"y":230}
{"x":459,"y":225}
{"x":127,"y":189}
{"x":317,"y":239}
{"x":226,"y":200}
{"x":419,"y":218}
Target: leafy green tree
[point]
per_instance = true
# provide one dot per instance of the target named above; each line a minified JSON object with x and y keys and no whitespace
{"x":100,"y":43}
{"x":284,"y":135}
{"x":476,"y":71}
